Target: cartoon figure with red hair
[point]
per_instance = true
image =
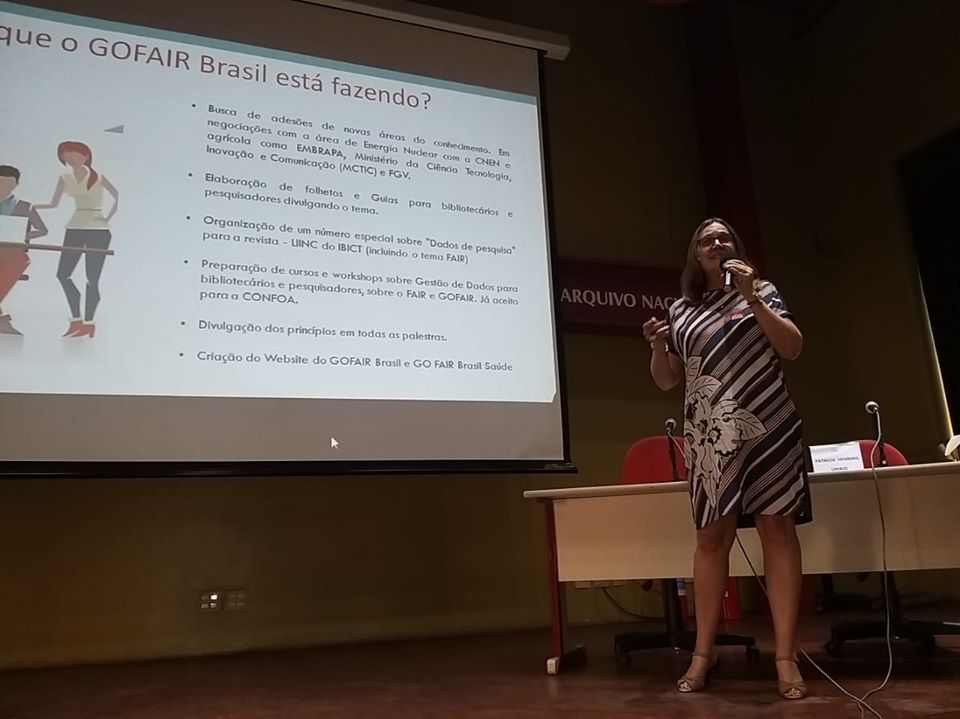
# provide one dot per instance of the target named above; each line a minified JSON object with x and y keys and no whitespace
{"x":87,"y":232}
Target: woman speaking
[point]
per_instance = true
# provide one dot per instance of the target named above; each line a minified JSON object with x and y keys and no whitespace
{"x":743,"y":443}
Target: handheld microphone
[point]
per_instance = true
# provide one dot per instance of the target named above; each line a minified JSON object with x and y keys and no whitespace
{"x":727,"y":274}
{"x":873,"y":408}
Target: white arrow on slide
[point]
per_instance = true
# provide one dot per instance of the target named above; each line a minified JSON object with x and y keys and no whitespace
{"x":334,"y":443}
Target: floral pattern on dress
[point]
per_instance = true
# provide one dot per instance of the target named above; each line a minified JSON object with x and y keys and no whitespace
{"x":714,"y":430}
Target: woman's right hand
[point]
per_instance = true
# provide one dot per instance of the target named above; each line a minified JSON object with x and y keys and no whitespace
{"x":655,"y":332}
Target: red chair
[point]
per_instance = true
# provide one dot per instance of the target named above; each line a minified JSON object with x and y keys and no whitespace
{"x":921,"y":633}
{"x":647,"y":461}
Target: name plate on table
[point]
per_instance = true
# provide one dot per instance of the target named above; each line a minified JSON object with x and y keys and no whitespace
{"x":836,"y":457}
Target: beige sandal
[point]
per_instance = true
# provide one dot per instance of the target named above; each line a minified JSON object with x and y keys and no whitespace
{"x":688,"y":684}
{"x":791,"y":690}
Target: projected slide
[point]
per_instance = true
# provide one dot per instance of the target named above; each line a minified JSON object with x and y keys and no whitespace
{"x":315,"y":238}
{"x":183,"y":217}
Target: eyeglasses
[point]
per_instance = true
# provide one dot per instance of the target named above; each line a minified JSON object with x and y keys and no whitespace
{"x":705,"y":242}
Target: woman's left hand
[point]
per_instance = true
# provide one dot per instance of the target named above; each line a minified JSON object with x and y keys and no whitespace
{"x":744,"y":278}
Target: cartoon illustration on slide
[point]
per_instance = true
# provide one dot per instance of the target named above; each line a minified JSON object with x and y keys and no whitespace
{"x":19,"y":223}
{"x":87,"y":232}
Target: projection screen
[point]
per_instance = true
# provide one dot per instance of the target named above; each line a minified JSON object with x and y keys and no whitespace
{"x":271,"y":235}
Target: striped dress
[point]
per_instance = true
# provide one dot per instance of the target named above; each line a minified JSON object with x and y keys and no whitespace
{"x":743,"y":442}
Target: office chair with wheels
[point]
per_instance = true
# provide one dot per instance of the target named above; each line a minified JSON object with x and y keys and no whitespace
{"x":921,"y":633}
{"x":650,"y":460}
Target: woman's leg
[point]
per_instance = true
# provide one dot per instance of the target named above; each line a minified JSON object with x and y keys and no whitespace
{"x":783,"y":570}
{"x":68,"y":263}
{"x":93,"y":263}
{"x":711,"y":567}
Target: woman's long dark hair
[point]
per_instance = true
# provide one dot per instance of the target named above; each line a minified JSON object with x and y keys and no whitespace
{"x":692,"y":281}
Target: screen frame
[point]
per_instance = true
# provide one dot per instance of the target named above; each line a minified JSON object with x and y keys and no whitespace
{"x":37,"y":469}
